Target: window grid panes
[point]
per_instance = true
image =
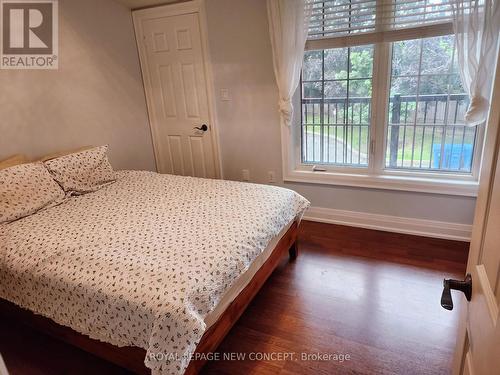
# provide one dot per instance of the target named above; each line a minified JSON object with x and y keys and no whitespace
{"x":426,"y":129}
{"x":336,"y":106}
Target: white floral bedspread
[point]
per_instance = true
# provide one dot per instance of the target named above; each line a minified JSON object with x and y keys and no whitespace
{"x":143,"y":261}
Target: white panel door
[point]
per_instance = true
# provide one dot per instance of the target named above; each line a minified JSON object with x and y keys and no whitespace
{"x":482,"y":318}
{"x":478,"y":349}
{"x":176,"y":86}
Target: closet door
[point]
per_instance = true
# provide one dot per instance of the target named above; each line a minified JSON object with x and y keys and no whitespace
{"x":173,"y":68}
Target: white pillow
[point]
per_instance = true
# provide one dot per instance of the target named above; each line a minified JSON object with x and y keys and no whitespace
{"x":25,"y":189}
{"x":82,"y":172}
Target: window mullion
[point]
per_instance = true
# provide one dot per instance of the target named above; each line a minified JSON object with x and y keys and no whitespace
{"x":380,"y":97}
{"x":380,"y":93}
{"x":322,"y":110}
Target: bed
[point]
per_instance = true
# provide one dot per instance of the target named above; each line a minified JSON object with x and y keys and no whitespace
{"x":150,"y":271}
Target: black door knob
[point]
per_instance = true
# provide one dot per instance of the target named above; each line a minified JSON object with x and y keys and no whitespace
{"x":204,"y":127}
{"x":464,"y":286}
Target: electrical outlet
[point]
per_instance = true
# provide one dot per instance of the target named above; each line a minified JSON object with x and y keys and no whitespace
{"x":245,"y":174}
{"x":271,"y":176}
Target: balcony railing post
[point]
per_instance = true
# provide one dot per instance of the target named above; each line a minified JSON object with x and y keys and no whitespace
{"x":396,"y":118}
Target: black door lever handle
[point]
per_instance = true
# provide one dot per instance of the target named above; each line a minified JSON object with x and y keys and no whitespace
{"x":465,"y":286}
{"x":203,"y":128}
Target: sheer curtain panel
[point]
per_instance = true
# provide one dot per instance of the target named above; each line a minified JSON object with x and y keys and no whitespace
{"x":288,"y":26}
{"x":477,"y":24}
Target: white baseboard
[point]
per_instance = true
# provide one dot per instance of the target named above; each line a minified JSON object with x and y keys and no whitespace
{"x":420,"y":227}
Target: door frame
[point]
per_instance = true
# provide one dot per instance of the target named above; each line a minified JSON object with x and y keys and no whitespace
{"x":488,"y":167}
{"x":176,"y":9}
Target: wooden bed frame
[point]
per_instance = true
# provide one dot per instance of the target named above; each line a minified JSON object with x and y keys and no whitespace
{"x":132,"y":358}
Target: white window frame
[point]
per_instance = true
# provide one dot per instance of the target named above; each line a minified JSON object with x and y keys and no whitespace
{"x":376,"y":175}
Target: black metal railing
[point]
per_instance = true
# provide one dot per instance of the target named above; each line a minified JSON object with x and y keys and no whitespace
{"x":434,"y":111}
{"x":337,"y":128}
{"x":428,"y":118}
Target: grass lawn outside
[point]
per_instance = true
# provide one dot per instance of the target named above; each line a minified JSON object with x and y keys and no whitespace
{"x":418,"y":142}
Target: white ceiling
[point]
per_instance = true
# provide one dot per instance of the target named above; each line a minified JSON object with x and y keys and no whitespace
{"x":135,"y":4}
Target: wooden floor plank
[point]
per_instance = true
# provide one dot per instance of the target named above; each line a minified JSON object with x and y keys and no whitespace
{"x":370,"y":294}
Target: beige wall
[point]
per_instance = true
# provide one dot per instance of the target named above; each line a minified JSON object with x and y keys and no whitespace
{"x":138,"y":4}
{"x":96,"y":96}
{"x":240,"y":50}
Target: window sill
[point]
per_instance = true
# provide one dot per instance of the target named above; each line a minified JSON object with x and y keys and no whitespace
{"x":462,"y":187}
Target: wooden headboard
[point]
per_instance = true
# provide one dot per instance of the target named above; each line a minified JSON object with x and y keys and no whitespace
{"x":63,"y":153}
{"x":13,"y":160}
{"x":21,"y":159}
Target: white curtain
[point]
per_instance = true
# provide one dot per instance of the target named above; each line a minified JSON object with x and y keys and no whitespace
{"x":477,"y":25}
{"x":288,"y":25}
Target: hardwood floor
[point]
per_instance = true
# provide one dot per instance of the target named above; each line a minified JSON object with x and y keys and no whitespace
{"x":371,"y":295}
